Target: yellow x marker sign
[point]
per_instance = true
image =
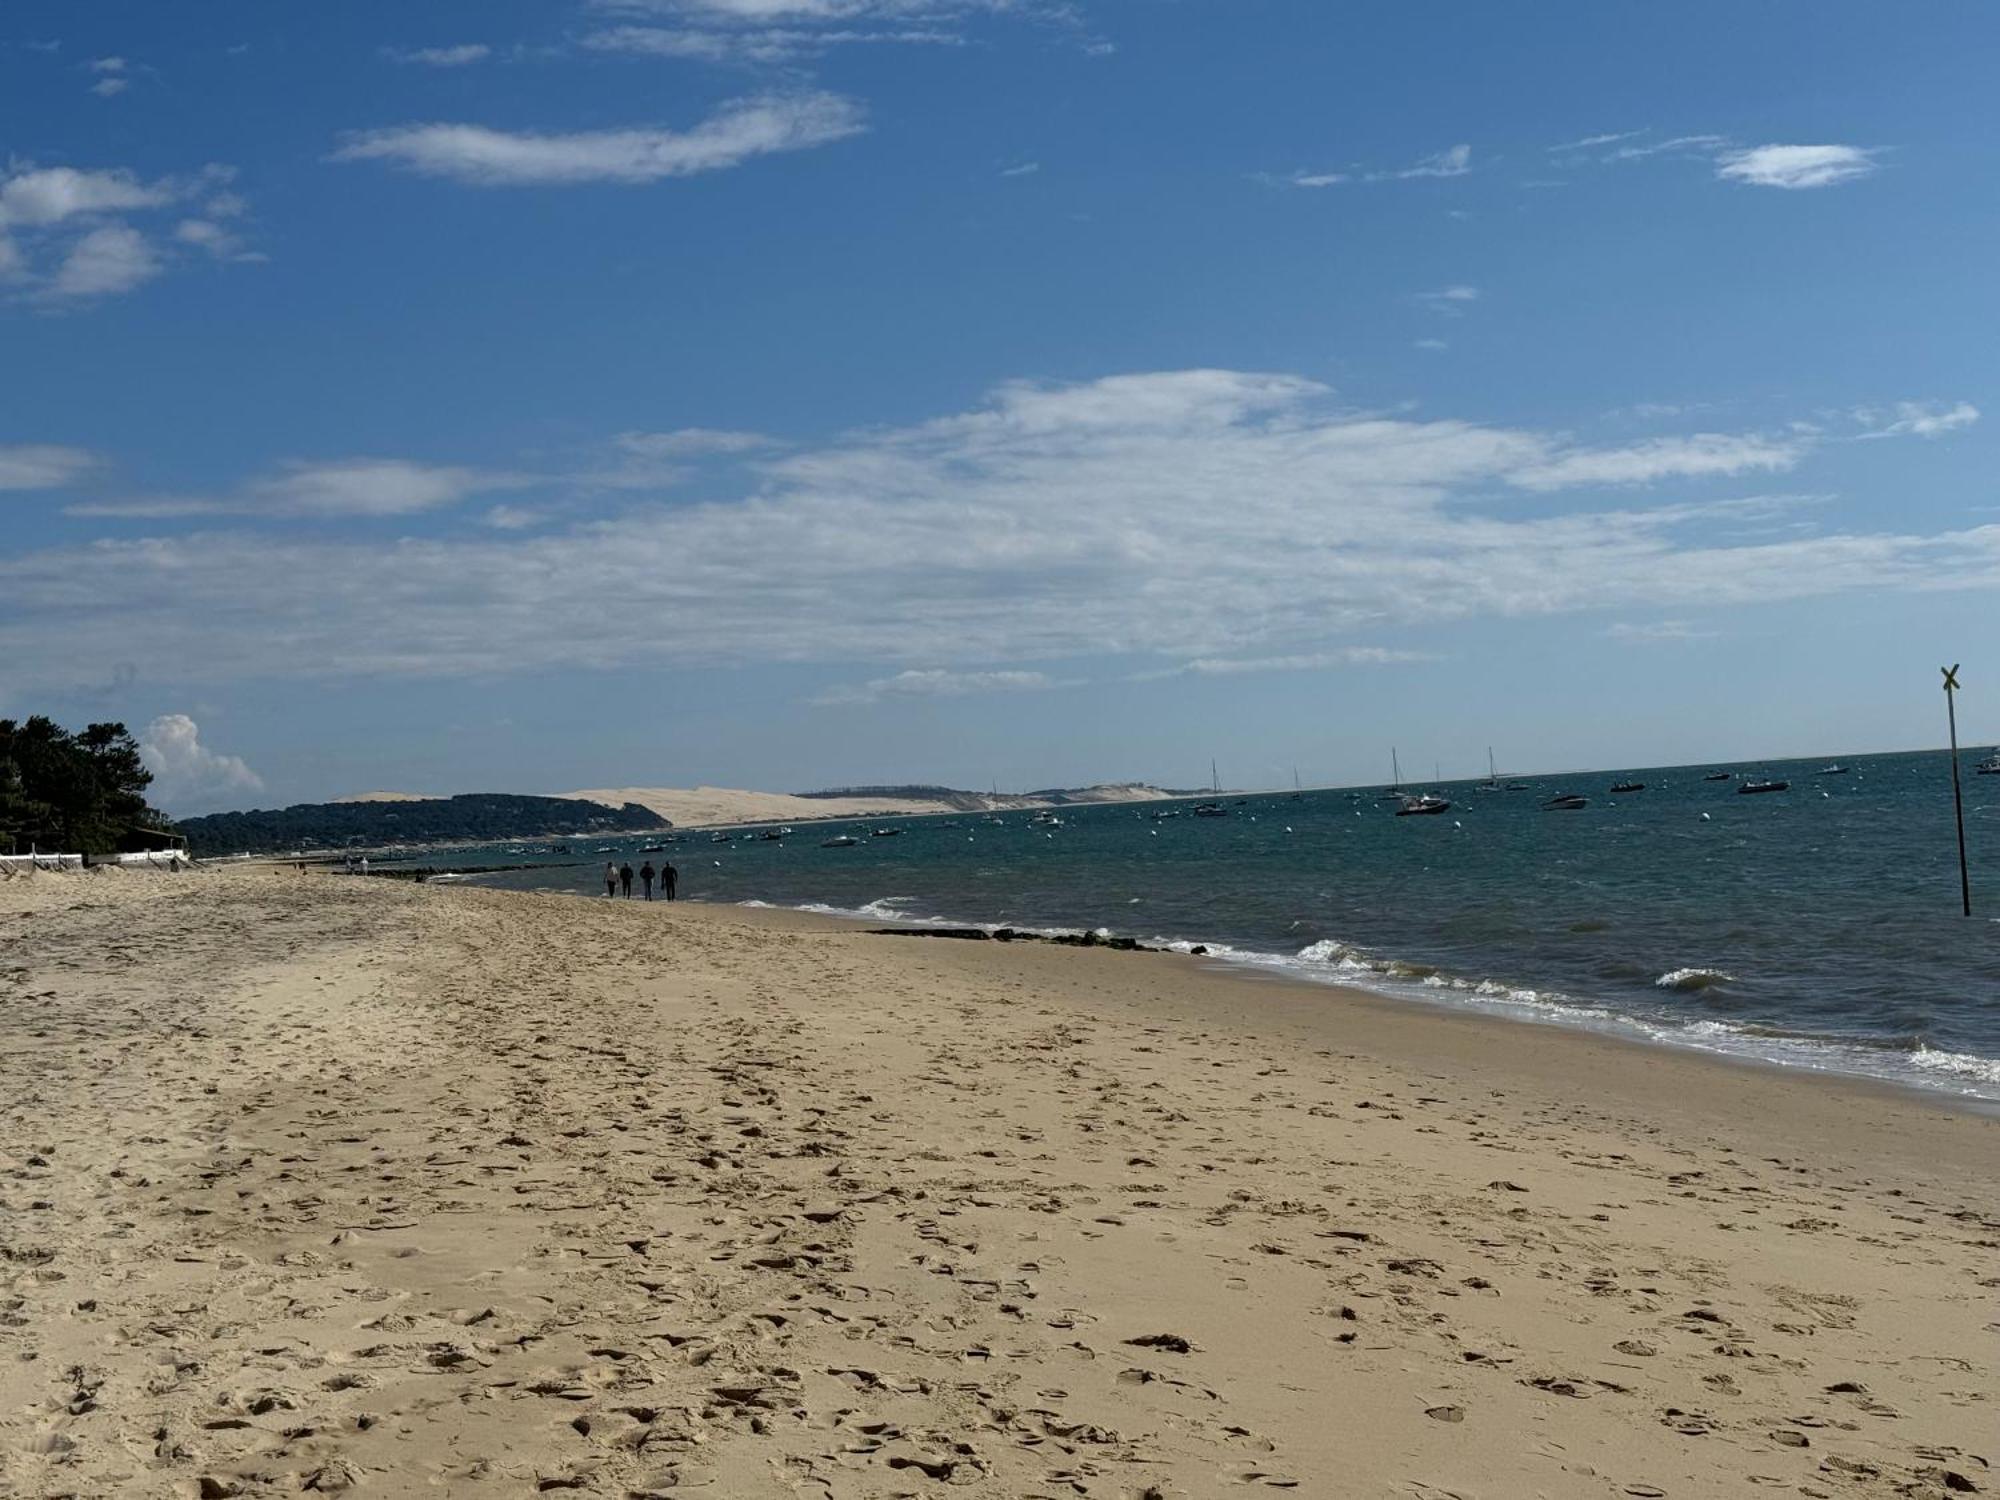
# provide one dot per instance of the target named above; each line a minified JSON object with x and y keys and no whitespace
{"x":1950,"y":677}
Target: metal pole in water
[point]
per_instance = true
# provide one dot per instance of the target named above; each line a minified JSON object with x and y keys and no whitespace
{"x":1957,"y":796}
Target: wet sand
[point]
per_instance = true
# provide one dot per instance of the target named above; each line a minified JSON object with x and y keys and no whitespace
{"x":312,"y":1183}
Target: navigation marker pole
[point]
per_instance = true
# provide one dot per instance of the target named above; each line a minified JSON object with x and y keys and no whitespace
{"x":1957,"y":797}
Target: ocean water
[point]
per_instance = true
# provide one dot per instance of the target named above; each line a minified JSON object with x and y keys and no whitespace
{"x":1814,"y":928}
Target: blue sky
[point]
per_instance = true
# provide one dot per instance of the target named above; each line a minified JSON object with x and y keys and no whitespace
{"x":788,"y":393}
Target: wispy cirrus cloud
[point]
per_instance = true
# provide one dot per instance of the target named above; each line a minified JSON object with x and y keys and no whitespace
{"x":1924,"y":419}
{"x":1453,"y":161}
{"x":935,"y":682}
{"x":350,"y":487}
{"x":1215,"y":517}
{"x":460,"y":55}
{"x":1773,"y":166}
{"x":1451,"y":301}
{"x":1658,"y":632}
{"x":481,"y":156}
{"x":43,"y":466}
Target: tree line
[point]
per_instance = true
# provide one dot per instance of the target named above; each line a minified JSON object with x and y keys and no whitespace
{"x":479,"y":817}
{"x":74,"y":793}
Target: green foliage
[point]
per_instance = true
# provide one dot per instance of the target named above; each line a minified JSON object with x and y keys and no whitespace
{"x":72,"y":793}
{"x":480,"y":816}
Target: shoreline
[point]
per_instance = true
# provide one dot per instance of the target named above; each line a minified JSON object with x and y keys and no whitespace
{"x":329,"y":1184}
{"x":1573,"y":1020}
{"x":1315,"y":1005}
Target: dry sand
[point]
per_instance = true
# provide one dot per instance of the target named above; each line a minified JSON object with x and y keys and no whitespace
{"x":311,"y":1183}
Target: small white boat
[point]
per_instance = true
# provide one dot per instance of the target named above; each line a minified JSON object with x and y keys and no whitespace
{"x":845,"y":841}
{"x":1989,"y":766}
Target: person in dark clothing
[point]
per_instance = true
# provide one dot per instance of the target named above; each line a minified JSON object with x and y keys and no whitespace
{"x":625,"y":879}
{"x":646,"y":878}
{"x":670,"y":880}
{"x":610,"y":879}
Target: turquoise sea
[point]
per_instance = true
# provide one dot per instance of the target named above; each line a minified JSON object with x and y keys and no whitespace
{"x":1816,"y":928}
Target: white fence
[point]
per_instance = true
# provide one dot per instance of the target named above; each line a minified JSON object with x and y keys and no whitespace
{"x":153,"y":859}
{"x":13,"y":863}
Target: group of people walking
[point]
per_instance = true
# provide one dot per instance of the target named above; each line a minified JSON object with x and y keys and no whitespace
{"x":618,"y":880}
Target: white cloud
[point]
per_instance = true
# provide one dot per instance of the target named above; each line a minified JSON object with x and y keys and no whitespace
{"x":1450,"y":301}
{"x":109,"y":88}
{"x":368,"y":487}
{"x":1310,"y":661}
{"x":147,"y":508}
{"x":1796,"y":166}
{"x":112,"y":259}
{"x":1925,"y":419}
{"x":39,"y":197}
{"x":1432,"y":345}
{"x":1455,"y":161}
{"x":934,"y":683}
{"x":1186,"y":516}
{"x":513,"y":517}
{"x":1658,"y":632}
{"x":1025,"y":169}
{"x":1591,"y":142}
{"x":462,"y":55}
{"x":42,"y":466}
{"x":187,"y":775}
{"x":689,"y":441}
{"x":65,"y":233}
{"x":357,"y":487}
{"x":766,"y":45}
{"x":485,"y":157}
{"x":1703,"y":454}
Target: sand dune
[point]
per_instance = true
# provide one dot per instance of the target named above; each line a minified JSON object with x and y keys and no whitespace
{"x":699,"y":806}
{"x":313,"y":1183}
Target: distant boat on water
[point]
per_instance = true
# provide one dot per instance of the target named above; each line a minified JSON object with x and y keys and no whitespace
{"x":1566,"y":802}
{"x":1423,"y":805}
{"x":845,"y":841}
{"x":1834,"y":768}
{"x":1210,"y":810}
{"x":1628,"y":786}
{"x":1752,"y":787}
{"x":1989,"y":766}
{"x":885,"y":833}
{"x":1720,"y":776}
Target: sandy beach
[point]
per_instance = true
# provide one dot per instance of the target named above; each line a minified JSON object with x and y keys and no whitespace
{"x":320,"y":1184}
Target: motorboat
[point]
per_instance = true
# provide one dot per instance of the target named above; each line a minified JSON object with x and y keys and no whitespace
{"x":1566,"y":802}
{"x":1209,"y":810}
{"x":1628,"y":786}
{"x":1165,"y":813}
{"x":844,"y":841}
{"x":884,"y":833}
{"x":1423,"y":805}
{"x":1045,"y":820}
{"x":1834,"y":768}
{"x":1751,"y":787}
{"x":1720,"y":776}
{"x":1989,"y":766}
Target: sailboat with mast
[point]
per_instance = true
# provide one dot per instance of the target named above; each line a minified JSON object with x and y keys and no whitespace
{"x":1213,"y":809}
